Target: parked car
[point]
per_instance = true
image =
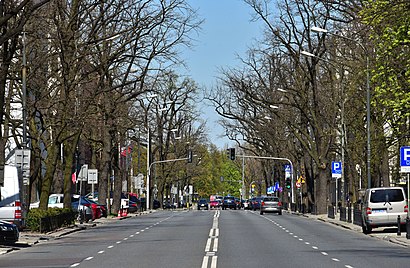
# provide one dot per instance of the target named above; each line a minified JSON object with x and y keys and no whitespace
{"x":203,"y":203}
{"x":124,"y":199}
{"x":9,"y":232}
{"x":54,"y":201}
{"x":271,"y":204}
{"x":90,"y":209}
{"x":156,"y":204}
{"x":168,"y":205}
{"x":134,"y":203}
{"x":381,"y":207}
{"x":246,"y":204}
{"x":11,"y":209}
{"x":229,"y":202}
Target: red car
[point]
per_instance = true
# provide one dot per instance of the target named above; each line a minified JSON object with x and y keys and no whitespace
{"x":215,"y":204}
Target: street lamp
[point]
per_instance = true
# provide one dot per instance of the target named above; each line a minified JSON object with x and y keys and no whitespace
{"x":147,"y":198}
{"x":321,"y":30}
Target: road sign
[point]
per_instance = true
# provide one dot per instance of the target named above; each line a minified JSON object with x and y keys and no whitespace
{"x":288,"y":171}
{"x":405,"y":159}
{"x":22,"y":160}
{"x":82,"y":176}
{"x":298,"y":184}
{"x":92,"y":176}
{"x":336,"y":169}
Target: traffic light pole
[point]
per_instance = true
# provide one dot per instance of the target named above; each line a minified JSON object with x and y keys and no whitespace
{"x":275,"y":158}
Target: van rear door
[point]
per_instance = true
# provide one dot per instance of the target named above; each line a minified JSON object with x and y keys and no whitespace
{"x":10,"y":205}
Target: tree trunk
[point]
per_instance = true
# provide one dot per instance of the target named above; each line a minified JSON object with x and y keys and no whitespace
{"x":69,"y":162}
{"x":51,"y":163}
{"x":322,"y":191}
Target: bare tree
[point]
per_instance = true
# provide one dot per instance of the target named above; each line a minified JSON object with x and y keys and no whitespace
{"x":96,"y":66}
{"x":306,"y":111}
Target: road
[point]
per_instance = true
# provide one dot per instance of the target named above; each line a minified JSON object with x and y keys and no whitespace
{"x":217,"y":239}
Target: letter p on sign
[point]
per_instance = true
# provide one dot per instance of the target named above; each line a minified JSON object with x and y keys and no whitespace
{"x":405,"y":159}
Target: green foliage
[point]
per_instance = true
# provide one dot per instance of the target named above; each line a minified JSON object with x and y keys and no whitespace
{"x":232,"y":178}
{"x":390,"y":24}
{"x":215,"y":165}
{"x":35,"y":215}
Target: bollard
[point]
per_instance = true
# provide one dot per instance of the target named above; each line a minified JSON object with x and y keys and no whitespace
{"x":408,"y":228}
{"x":398,"y":226}
{"x":81,"y":217}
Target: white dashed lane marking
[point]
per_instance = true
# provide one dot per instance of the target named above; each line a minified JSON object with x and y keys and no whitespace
{"x":301,"y":240}
{"x":119,"y":242}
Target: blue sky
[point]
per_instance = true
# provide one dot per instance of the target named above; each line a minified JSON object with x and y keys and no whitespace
{"x":226,"y":33}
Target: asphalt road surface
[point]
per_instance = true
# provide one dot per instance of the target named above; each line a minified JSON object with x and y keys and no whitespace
{"x":212,"y":239}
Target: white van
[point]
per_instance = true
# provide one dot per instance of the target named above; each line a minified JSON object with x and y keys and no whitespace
{"x":382,"y":206}
{"x":10,"y":196}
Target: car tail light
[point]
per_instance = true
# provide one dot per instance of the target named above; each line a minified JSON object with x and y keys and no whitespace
{"x":406,"y":208}
{"x":368,"y":211}
{"x":279,"y":203}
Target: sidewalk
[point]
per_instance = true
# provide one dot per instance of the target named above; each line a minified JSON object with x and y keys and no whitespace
{"x":388,"y":234}
{"x":28,"y":239}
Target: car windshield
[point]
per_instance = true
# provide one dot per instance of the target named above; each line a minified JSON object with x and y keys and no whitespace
{"x":229,"y":197}
{"x":386,"y":195}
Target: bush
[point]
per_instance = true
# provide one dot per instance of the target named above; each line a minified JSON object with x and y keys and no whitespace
{"x":35,"y":220}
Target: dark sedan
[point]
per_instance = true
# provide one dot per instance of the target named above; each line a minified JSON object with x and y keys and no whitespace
{"x":9,"y":233}
{"x":256,"y":203}
{"x":203,"y":203}
{"x":229,"y":202}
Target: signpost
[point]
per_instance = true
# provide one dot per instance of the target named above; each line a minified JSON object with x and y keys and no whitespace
{"x":405,"y":168}
{"x":336,"y":173}
{"x":92,"y":179}
{"x":22,"y":160}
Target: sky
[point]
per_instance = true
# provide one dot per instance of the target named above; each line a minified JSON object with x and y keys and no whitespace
{"x":226,"y":33}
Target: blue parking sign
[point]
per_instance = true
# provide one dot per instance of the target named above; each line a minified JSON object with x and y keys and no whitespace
{"x":337,"y":169}
{"x":405,"y":159}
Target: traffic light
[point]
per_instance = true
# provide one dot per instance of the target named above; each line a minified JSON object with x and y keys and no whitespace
{"x":189,"y":156}
{"x":288,"y":183}
{"x":231,"y":153}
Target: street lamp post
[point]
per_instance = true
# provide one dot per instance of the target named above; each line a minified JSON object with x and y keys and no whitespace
{"x":321,"y":30}
{"x":147,"y":198}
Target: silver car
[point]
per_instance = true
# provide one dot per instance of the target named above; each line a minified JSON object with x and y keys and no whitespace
{"x":271,"y":204}
{"x":382,"y":207}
